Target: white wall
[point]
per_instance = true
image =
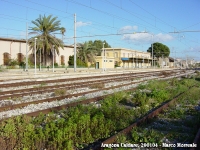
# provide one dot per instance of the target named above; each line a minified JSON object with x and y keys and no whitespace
{"x":14,"y":47}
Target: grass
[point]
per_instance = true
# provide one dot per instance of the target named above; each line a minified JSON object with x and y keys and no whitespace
{"x":179,"y":123}
{"x":41,"y":85}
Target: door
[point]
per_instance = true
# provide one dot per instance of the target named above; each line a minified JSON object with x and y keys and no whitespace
{"x":97,"y":65}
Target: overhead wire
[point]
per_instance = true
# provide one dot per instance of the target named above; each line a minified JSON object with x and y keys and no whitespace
{"x":61,"y":11}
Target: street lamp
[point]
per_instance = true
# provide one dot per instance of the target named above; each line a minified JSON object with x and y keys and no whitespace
{"x":103,"y":58}
{"x":35,"y":55}
{"x":152,"y":51}
{"x":53,"y":57}
{"x":133,"y":58}
{"x":27,"y":44}
{"x":40,"y":59}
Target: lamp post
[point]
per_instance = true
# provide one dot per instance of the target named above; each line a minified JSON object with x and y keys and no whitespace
{"x":40,"y":59}
{"x":35,"y":54}
{"x":26,"y":46}
{"x":53,"y":57}
{"x":133,"y":58}
{"x":103,"y":58}
{"x":152,"y":51}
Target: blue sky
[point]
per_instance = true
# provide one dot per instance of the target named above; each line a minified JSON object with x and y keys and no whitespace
{"x":146,"y":21}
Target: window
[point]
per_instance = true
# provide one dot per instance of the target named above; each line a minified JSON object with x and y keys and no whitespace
{"x":116,"y":54}
{"x":107,"y":54}
{"x":123,"y":54}
{"x":6,"y":57}
{"x":110,"y":61}
{"x":20,"y":57}
{"x":62,"y":60}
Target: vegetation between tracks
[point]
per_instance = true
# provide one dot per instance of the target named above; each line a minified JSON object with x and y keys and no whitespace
{"x":80,"y":126}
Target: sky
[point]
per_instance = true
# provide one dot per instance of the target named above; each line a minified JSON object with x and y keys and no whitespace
{"x":131,"y":24}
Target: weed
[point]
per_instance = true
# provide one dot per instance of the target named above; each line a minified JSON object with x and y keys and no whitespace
{"x":97,"y":86}
{"x":174,"y":82}
{"x":160,"y":95}
{"x":60,"y":92}
{"x":141,"y":86}
{"x":43,"y":84}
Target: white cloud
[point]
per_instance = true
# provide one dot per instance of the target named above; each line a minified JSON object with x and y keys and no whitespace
{"x":145,"y":38}
{"x":80,"y":24}
{"x":128,"y":29}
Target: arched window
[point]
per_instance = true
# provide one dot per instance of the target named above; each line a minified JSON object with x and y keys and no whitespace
{"x":62,"y":60}
{"x":20,"y":57}
{"x":6,"y":58}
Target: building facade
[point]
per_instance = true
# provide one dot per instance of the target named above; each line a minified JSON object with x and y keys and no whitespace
{"x":121,"y":57}
{"x":16,"y":49}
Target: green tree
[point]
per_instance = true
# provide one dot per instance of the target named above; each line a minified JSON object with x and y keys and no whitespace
{"x":45,"y":28}
{"x":78,"y":62}
{"x":159,"y":50}
{"x":86,"y":52}
{"x":62,"y":30}
{"x":98,"y":44}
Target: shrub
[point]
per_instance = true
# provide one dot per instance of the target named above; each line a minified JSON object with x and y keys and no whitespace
{"x":160,"y":95}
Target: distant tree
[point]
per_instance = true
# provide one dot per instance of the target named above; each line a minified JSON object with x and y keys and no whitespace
{"x":78,"y":62}
{"x":159,"y":50}
{"x":62,"y":30}
{"x":98,"y":44}
{"x":86,"y":52}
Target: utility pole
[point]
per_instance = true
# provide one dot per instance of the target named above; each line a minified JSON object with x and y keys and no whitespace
{"x":186,"y":62}
{"x":53,"y":58}
{"x":152,"y":55}
{"x":74,"y":42}
{"x":40,"y":60}
{"x":35,"y":54}
{"x":133,"y":60}
{"x":26,"y":46}
{"x":103,"y":58}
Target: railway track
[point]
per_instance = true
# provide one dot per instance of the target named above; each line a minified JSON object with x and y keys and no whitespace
{"x":129,"y":86}
{"x":147,"y":119}
{"x":32,"y":91}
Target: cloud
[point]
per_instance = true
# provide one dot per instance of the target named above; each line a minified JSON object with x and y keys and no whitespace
{"x":146,"y":38}
{"x":127,"y":29}
{"x":80,"y":24}
{"x":194,"y":49}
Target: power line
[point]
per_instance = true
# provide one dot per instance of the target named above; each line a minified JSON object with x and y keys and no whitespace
{"x":109,"y":34}
{"x":184,"y":31}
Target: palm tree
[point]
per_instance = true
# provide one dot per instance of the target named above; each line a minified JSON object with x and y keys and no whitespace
{"x":46,"y":27}
{"x":86,"y":52}
{"x":62,"y":30}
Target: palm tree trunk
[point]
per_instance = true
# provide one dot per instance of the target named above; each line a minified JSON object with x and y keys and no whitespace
{"x":43,"y":57}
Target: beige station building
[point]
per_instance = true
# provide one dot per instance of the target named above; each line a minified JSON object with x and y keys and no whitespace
{"x":16,"y":49}
{"x":124,"y":58}
{"x":110,"y":57}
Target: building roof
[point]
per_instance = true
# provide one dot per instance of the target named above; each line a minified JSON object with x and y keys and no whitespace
{"x":24,"y":41}
{"x":125,"y":49}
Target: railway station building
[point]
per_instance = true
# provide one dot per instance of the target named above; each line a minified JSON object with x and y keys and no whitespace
{"x":110,"y":57}
{"x":16,"y":49}
{"x":124,"y":58}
